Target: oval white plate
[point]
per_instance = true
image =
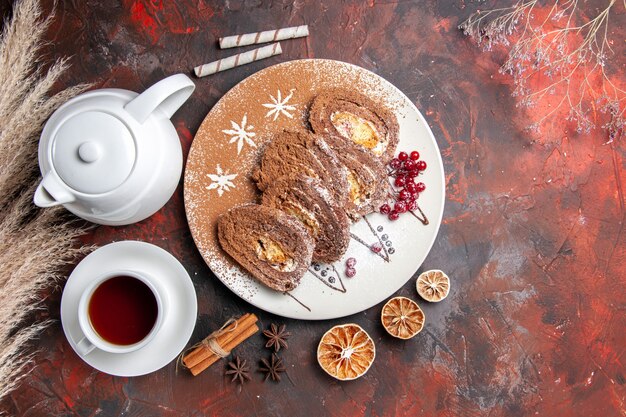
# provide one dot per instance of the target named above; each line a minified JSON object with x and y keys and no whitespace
{"x":217,"y":158}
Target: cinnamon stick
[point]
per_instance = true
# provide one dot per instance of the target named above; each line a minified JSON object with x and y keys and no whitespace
{"x":229,"y":346}
{"x":202,"y":352}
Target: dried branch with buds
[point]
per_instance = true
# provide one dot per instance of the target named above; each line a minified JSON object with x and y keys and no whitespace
{"x":565,"y":46}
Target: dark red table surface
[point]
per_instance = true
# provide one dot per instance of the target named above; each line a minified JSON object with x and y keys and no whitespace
{"x":532,"y":237}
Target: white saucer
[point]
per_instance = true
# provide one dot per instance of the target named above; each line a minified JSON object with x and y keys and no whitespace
{"x":179,"y":321}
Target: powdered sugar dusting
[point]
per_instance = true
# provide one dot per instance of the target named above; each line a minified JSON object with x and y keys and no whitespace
{"x":279,"y":106}
{"x":222,"y":181}
{"x":320,"y":189}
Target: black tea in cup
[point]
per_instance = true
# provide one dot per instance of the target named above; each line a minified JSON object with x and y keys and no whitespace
{"x":123,"y":310}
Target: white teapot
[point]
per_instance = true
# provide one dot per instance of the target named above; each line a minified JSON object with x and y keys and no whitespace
{"x":112,"y":156}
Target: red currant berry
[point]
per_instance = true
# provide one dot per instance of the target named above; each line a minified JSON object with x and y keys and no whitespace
{"x":410,"y":165}
{"x":415,"y":155}
{"x":377,"y":247}
{"x":404,"y":195}
{"x":394,"y":215}
{"x":421,"y":165}
{"x":400,"y":181}
{"x":411,"y":187}
{"x":385,"y":209}
{"x":410,"y":176}
{"x":420,"y":186}
{"x":400,"y":207}
{"x":403,"y":156}
{"x":395,"y":163}
{"x":412,"y":205}
{"x":350,"y":272}
{"x":350,"y":262}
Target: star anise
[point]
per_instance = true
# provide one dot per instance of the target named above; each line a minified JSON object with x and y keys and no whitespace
{"x":276,"y":337}
{"x":272,"y":368}
{"x":239,"y":370}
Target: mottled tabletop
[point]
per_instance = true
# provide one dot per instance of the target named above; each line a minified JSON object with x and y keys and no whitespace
{"x":532,"y":234}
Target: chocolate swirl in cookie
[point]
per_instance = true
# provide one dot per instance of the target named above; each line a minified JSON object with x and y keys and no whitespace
{"x":273,"y":246}
{"x":301,"y":151}
{"x":310,"y":201}
{"x":367,"y":177}
{"x":356,"y":117}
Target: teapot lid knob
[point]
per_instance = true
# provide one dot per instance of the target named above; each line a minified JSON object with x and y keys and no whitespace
{"x":89,"y":152}
{"x":93,"y":152}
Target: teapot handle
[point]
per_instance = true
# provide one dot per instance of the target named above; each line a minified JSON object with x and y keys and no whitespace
{"x":168,"y":95}
{"x":50,"y":192}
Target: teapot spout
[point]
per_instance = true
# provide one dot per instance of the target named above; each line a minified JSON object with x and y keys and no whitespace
{"x":167,"y":95}
{"x":51,"y":193}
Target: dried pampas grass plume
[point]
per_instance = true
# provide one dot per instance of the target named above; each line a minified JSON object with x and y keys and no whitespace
{"x":34,"y":244}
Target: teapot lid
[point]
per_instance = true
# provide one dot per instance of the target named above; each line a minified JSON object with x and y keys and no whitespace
{"x":93,"y":152}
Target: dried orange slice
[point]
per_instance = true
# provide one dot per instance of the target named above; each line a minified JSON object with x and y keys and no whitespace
{"x":402,"y":318}
{"x":433,"y":285}
{"x":346,"y":352}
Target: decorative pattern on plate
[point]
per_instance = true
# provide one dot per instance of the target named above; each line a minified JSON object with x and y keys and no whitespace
{"x":222,"y":181}
{"x":382,"y":246}
{"x":328,"y":275}
{"x":325,"y":292}
{"x":279,"y":105}
{"x":241,"y":133}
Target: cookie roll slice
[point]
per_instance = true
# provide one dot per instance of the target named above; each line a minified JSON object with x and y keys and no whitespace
{"x":356,"y":117}
{"x":302,"y":152}
{"x":274,"y":247}
{"x":367,"y":177}
{"x":311,"y":203}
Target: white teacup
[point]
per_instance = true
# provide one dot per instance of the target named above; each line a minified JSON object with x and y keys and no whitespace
{"x":91,"y":339}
